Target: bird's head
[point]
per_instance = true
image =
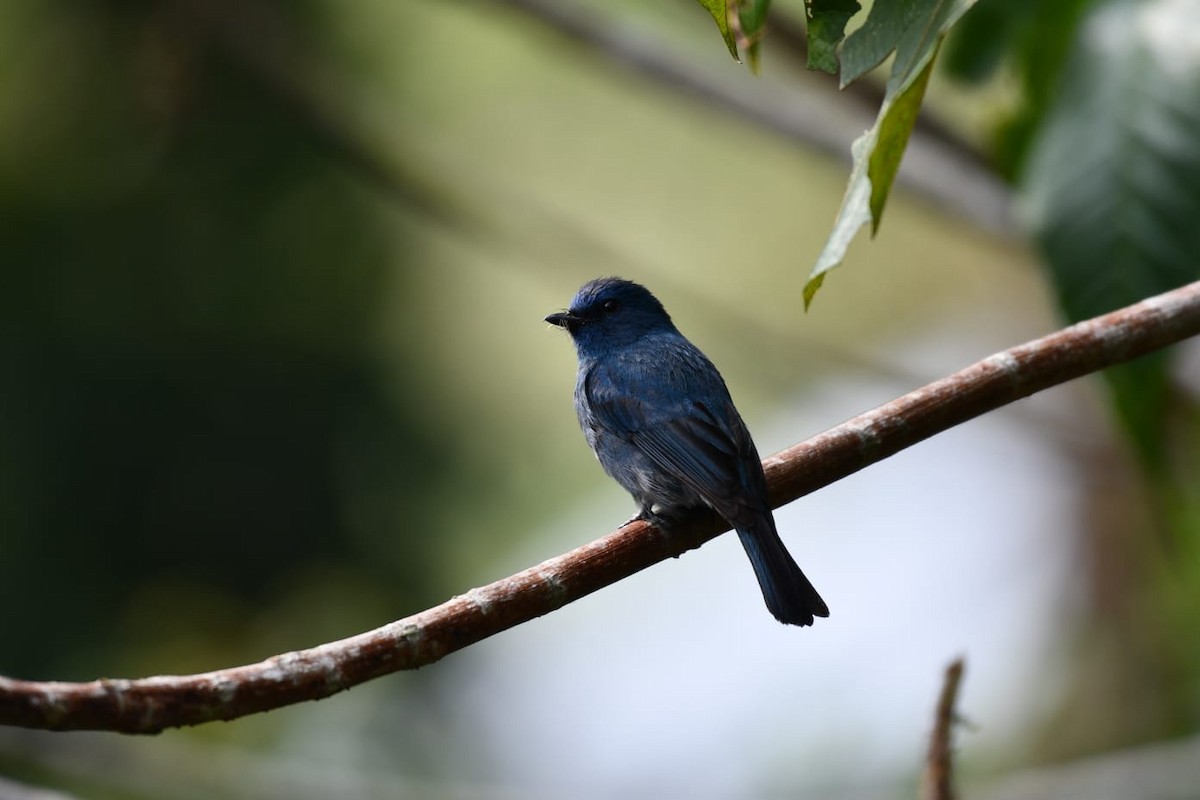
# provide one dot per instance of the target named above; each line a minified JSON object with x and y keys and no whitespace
{"x":611,"y":312}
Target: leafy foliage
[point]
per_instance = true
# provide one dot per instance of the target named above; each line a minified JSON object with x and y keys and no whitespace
{"x":914,"y":31}
{"x":1112,"y":188}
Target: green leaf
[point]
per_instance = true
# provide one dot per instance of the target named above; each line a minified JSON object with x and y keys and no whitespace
{"x":921,"y":25}
{"x":894,"y":129}
{"x":914,"y":29}
{"x":877,"y":156}
{"x":826,"y":26}
{"x":721,"y":16}
{"x":753,"y":17}
{"x":1112,"y":185}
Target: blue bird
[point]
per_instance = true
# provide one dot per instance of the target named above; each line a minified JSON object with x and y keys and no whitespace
{"x":657,"y":414}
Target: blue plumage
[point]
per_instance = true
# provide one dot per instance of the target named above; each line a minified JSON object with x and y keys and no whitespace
{"x":659,"y":417}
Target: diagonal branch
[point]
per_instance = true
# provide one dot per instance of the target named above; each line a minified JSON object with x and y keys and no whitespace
{"x":150,"y":705}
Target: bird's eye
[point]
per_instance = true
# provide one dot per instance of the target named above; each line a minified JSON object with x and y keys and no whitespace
{"x":610,"y":306}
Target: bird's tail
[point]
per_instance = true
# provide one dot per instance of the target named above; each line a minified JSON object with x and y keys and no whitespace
{"x":789,"y":595}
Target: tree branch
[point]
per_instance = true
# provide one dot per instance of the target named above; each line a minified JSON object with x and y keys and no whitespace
{"x":152,"y":704}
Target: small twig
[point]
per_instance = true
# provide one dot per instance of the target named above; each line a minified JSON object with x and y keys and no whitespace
{"x":938,"y":780}
{"x":150,"y":705}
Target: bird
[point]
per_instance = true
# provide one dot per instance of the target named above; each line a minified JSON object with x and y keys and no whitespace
{"x":659,"y":418}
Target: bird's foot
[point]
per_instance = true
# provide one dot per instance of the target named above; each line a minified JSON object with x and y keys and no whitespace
{"x":645,"y":515}
{"x":655,"y":515}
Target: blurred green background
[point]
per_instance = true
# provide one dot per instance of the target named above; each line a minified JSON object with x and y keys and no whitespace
{"x":273,"y":371}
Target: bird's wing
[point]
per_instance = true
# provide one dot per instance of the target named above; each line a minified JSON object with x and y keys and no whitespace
{"x":691,"y":432}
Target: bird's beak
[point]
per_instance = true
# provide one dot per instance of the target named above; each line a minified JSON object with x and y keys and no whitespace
{"x":563,"y":319}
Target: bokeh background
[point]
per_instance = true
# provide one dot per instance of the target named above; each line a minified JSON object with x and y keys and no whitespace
{"x":273,"y":371}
